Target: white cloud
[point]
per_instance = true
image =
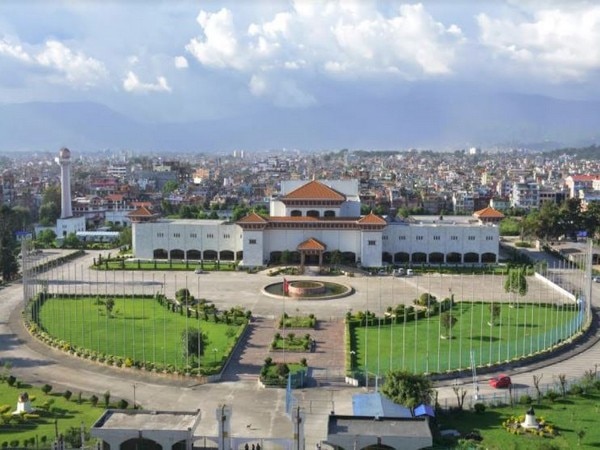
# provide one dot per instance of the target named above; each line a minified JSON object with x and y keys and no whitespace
{"x":133,"y":84}
{"x":75,"y":66}
{"x":14,"y":51}
{"x":219,"y":47}
{"x":333,"y":38}
{"x":180,"y":62}
{"x":558,"y":42}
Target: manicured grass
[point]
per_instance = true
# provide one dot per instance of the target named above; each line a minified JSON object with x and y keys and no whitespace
{"x":122,"y":264}
{"x":137,"y":328}
{"x":67,"y":413}
{"x":291,"y":342}
{"x":417,"y":346}
{"x":568,"y":416}
{"x":286,"y":321}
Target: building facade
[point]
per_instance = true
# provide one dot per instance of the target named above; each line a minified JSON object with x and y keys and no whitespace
{"x":315,"y":223}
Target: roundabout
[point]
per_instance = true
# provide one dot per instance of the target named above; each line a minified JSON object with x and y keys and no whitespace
{"x":308,"y":290}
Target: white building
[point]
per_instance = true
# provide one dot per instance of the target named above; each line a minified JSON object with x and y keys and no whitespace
{"x":525,"y":195}
{"x":309,"y":224}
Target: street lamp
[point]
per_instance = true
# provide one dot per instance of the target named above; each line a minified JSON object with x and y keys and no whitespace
{"x":215,"y":350}
{"x":134,"y":386}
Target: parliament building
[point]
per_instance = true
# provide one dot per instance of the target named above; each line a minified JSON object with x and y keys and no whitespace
{"x":319,"y":222}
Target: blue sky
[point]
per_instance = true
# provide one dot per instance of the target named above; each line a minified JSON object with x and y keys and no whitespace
{"x":183,"y":60}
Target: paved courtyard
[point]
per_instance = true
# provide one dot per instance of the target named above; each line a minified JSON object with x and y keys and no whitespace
{"x":257,"y":412}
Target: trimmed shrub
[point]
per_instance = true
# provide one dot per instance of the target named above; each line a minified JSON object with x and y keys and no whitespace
{"x":479,"y":408}
{"x":525,"y":399}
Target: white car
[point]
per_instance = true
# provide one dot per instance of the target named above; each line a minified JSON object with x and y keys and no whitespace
{"x":596,"y":279}
{"x":198,"y":271}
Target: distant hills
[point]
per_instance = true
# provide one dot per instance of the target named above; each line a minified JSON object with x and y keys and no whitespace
{"x":423,"y":118}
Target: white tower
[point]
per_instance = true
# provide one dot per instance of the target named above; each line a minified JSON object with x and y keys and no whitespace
{"x":64,"y":161}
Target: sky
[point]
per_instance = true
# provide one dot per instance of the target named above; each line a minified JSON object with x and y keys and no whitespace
{"x":189,"y":60}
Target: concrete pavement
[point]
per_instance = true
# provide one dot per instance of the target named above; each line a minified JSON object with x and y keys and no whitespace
{"x":261,"y":408}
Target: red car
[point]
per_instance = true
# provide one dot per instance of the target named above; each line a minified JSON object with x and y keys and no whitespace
{"x":500,"y":381}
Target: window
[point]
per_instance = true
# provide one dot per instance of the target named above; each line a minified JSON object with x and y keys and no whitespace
{"x":419,"y":238}
{"x":436,"y":238}
{"x":193,"y":235}
{"x":160,"y":235}
{"x":471,"y":238}
{"x":176,"y":235}
{"x":209,"y":235}
{"x":402,"y":238}
{"x":385,"y":238}
{"x":489,"y":238}
{"x":454,"y":238}
{"x":372,"y":242}
{"x":226,"y":236}
{"x":251,"y":241}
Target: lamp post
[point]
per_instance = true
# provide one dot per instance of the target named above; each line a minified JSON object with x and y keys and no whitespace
{"x":134,"y":386}
{"x":352,"y":356}
{"x":215,"y":350}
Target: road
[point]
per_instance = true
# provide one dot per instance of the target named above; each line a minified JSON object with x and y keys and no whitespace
{"x":253,"y":405}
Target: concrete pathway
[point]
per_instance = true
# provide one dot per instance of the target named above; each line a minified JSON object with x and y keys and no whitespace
{"x":263,"y":408}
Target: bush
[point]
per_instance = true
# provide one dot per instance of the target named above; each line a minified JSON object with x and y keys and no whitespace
{"x":479,"y":408}
{"x":282,"y":369}
{"x":552,"y":396}
{"x":10,"y":380}
{"x":525,"y":399}
{"x":94,"y":400}
{"x":268,"y":361}
{"x":46,"y":388}
{"x":576,"y":390}
{"x":67,"y":395}
{"x":123,"y":404}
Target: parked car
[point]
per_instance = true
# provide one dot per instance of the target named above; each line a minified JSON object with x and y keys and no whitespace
{"x":500,"y":381}
{"x":198,"y":270}
{"x":596,"y":279}
{"x":399,"y":272}
{"x":409,"y":272}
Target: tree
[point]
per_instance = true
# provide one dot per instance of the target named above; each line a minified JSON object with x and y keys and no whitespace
{"x":71,"y":241}
{"x":8,"y":260}
{"x":46,"y":388}
{"x":72,"y":437}
{"x":46,"y":238}
{"x":516,"y":282}
{"x":169,"y":187}
{"x":125,"y":239}
{"x":184,"y":296}
{"x":109,"y":304}
{"x":407,"y":389}
{"x":460,"y":393}
{"x":50,"y":206}
{"x":448,"y":321}
{"x":193,"y":342}
{"x":494,"y":313}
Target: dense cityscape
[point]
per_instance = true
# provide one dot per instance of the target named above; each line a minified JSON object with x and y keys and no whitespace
{"x":300,"y":224}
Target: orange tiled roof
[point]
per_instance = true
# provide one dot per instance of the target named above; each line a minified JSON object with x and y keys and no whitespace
{"x":488,"y":213}
{"x":311,"y":244}
{"x":252,"y":218}
{"x":142,"y":211}
{"x":314,"y":190}
{"x":115,"y":197}
{"x":372,"y":219}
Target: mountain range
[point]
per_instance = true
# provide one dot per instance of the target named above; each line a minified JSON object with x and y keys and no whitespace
{"x":421,"y":118}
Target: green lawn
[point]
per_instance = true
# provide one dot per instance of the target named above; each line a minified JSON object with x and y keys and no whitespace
{"x":67,"y":413}
{"x":568,"y":416}
{"x":291,"y":342}
{"x":417,"y":346}
{"x":140,"y":329}
{"x":286,"y":321}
